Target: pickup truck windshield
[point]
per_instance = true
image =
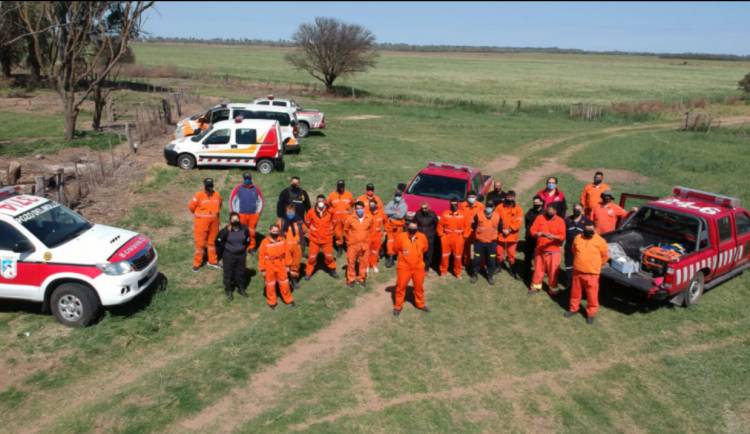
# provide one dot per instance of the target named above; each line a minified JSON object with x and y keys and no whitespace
{"x":283,"y":118}
{"x":440,"y":187}
{"x":53,"y":224}
{"x":680,"y":228}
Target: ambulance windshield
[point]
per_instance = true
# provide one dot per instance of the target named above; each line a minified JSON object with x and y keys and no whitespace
{"x":53,"y":224}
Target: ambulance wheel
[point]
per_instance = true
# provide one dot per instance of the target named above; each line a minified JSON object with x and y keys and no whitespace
{"x":694,"y":290}
{"x":74,"y":305}
{"x":265,"y":166}
{"x":186,"y":161}
{"x":304,"y":129}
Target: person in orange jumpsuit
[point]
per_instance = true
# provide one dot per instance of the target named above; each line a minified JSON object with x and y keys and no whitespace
{"x":549,"y":230}
{"x":376,"y":234}
{"x":470,"y":208}
{"x":606,"y":216}
{"x":274,"y":259}
{"x":590,"y":253}
{"x":453,"y":228}
{"x":247,"y":200}
{"x":319,"y":222}
{"x":293,"y":229}
{"x":370,"y":195}
{"x":410,"y":248}
{"x":341,"y":203}
{"x":591,"y":197}
{"x":357,"y":229}
{"x":206,"y":207}
{"x":507,"y":242}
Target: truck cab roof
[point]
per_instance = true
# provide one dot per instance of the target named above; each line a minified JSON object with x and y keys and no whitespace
{"x":697,"y":202}
{"x":449,"y":170}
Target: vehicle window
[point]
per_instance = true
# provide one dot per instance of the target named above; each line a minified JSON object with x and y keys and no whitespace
{"x":279,"y":104}
{"x":664,"y":226}
{"x":219,"y":115}
{"x":440,"y":187}
{"x":741,"y":223}
{"x":9,"y":236}
{"x":219,"y":137}
{"x":283,"y":118}
{"x":53,"y":224}
{"x":725,"y":228}
{"x":198,"y":137}
{"x":246,"y":136}
{"x":704,"y":240}
{"x":476,"y":184}
{"x":264,"y":103}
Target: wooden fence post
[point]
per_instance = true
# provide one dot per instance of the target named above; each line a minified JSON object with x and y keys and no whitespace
{"x":39,"y":185}
{"x":59,"y":177}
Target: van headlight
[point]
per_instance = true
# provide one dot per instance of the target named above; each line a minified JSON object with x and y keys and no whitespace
{"x":170,"y":146}
{"x":115,"y":268}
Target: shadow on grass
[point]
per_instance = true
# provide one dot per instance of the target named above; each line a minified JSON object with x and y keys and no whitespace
{"x":143,"y":300}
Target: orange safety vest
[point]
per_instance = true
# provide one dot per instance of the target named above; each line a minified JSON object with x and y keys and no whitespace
{"x":512,"y":217}
{"x":203,"y":206}
{"x":486,"y":230}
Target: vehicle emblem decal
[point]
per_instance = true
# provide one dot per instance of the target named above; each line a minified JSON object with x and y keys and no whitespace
{"x":8,"y":268}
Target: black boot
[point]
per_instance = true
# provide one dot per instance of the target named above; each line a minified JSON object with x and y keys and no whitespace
{"x":334,"y":274}
{"x":490,"y":279}
{"x":473,"y":278}
{"x":229,"y":295}
{"x":389,"y":262}
{"x":242,"y":293}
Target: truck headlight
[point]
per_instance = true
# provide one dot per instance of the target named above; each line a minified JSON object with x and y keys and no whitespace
{"x":170,"y":146}
{"x":115,"y":268}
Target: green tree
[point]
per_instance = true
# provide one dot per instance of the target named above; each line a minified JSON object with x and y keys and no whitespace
{"x":745,"y":83}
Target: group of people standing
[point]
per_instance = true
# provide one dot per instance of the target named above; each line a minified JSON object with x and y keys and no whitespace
{"x":483,"y":237}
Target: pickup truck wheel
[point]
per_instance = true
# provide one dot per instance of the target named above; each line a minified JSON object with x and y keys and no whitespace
{"x":186,"y":161}
{"x":74,"y":305}
{"x":265,"y":166}
{"x":304,"y":129}
{"x":694,"y":290}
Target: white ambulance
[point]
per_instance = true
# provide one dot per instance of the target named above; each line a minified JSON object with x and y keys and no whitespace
{"x":234,"y":143}
{"x":52,"y":255}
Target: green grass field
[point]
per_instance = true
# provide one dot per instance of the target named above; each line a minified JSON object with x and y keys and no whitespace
{"x":487,"y":359}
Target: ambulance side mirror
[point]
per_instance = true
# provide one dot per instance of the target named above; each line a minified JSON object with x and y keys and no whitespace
{"x":23,"y":246}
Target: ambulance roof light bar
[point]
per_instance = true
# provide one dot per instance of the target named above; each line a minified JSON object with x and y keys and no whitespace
{"x":718,"y":199}
{"x":270,"y":97}
{"x":448,"y":166}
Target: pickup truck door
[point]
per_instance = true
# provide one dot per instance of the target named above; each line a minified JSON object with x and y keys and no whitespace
{"x":742,"y":229}
{"x":727,"y":245}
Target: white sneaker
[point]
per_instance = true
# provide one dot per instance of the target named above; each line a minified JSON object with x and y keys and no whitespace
{"x":375,"y":269}
{"x":215,"y":266}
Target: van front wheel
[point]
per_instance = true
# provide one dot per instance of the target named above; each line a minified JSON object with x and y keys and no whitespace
{"x":265,"y":166}
{"x":186,"y":161}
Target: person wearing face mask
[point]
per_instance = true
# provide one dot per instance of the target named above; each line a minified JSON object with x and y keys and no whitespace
{"x":319,"y":222}
{"x":231,"y":246}
{"x":591,"y":197}
{"x":497,"y":195}
{"x":370,"y":195}
{"x":274,"y":260}
{"x":427,"y":222}
{"x":574,"y":226}
{"x":292,"y":195}
{"x":608,"y":213}
{"x":590,"y":254}
{"x":551,"y":195}
{"x":376,"y":234}
{"x":549,"y":230}
{"x":293,"y":229}
{"x":410,"y":246}
{"x":487,"y":226}
{"x":453,"y":228}
{"x":205,"y":207}
{"x":341,"y":202}
{"x":395,"y":211}
{"x":357,"y":229}
{"x":537,"y":209}
{"x":246,"y":199}
{"x":470,"y":208}
{"x":511,"y":215}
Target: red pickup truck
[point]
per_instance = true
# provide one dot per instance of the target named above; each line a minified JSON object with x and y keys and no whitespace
{"x":437,"y":183}
{"x":683,"y":244}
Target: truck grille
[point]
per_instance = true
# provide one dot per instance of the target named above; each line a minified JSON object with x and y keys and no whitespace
{"x":143,"y":259}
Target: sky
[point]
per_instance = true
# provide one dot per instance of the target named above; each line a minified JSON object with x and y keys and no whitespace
{"x":664,"y":27}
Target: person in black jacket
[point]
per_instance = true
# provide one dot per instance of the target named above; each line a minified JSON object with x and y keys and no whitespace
{"x":231,"y":246}
{"x":497,"y":195}
{"x":427,"y":222}
{"x":295,"y":195}
{"x":574,"y":224}
{"x":529,"y":245}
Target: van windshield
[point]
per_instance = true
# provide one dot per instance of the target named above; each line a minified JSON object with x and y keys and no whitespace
{"x":283,"y":118}
{"x":53,"y":224}
{"x":440,"y":187}
{"x":198,"y":137}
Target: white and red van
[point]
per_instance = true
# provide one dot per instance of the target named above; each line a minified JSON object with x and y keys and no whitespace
{"x":52,"y":255}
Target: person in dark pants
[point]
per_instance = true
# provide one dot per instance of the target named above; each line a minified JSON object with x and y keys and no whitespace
{"x":487,"y":227}
{"x":574,"y":225}
{"x":427,"y":222}
{"x":529,"y":246}
{"x":231,"y":246}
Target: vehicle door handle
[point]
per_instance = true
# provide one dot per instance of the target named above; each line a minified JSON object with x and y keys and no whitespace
{"x":233,"y":146}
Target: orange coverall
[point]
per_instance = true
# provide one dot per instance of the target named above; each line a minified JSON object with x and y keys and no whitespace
{"x":366,"y":198}
{"x":376,"y":235}
{"x":205,"y":211}
{"x":453,"y":228}
{"x":392,"y":230}
{"x":605,"y":217}
{"x":358,"y":243}
{"x":320,"y":235}
{"x":591,"y":198}
{"x":293,"y":238}
{"x":410,"y":250}
{"x":589,"y":256}
{"x":470,"y":211}
{"x":341,"y":205}
{"x":274,"y":258}
{"x":512,"y":217}
{"x":547,"y":254}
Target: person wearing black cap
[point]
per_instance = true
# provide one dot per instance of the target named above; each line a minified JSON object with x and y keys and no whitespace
{"x":246,"y":199}
{"x":370,"y":195}
{"x":206,"y":207}
{"x":395,"y":211}
{"x":295,"y":195}
{"x":231,"y":246}
{"x":342,"y":204}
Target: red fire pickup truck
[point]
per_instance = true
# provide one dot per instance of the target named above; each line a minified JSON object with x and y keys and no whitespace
{"x":437,"y":183}
{"x":680,"y":245}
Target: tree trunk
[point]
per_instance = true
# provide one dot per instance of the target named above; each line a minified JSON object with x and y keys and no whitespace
{"x":330,"y":78}
{"x":34,"y":68}
{"x":6,"y":61}
{"x":99,"y":102}
{"x":71,"y":116}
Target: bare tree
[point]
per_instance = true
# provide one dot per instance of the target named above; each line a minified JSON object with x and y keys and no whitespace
{"x":82,"y":48}
{"x":328,"y":49}
{"x":11,"y":48}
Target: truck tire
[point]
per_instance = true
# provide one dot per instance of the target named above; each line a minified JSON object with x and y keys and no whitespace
{"x":265,"y":166}
{"x":186,"y":161}
{"x":74,"y":305}
{"x":694,"y":290}
{"x":304,"y":129}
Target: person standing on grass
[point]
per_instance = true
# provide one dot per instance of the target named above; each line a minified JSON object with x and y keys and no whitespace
{"x":607,"y":215}
{"x":537,"y":208}
{"x":453,"y":228}
{"x":511,"y":216}
{"x":551,"y":195}
{"x":549,"y":230}
{"x":470,"y":208}
{"x":487,"y":226}
{"x":395,"y":211}
{"x":427,"y":224}
{"x":590,"y":253}
{"x":341,"y":202}
{"x":376,"y":234}
{"x":293,"y":195}
{"x":205,"y":207}
{"x":274,"y":259}
{"x":574,"y":226}
{"x":293,"y":230}
{"x":591,"y":197}
{"x":231,"y":245}
{"x":357,"y":229}
{"x":319,"y":222}
{"x":247,"y":200}
{"x":410,"y":246}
